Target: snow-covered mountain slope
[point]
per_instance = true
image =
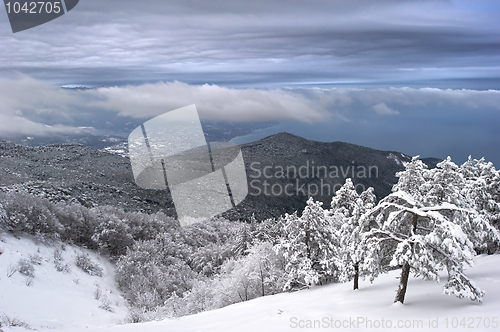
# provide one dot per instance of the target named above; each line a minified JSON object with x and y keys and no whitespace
{"x":55,"y":299}
{"x":425,"y":308}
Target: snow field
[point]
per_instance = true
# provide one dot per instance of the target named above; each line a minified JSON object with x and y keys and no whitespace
{"x":336,"y":304}
{"x":55,"y":299}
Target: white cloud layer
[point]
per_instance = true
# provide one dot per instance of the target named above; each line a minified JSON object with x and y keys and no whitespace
{"x":11,"y":125}
{"x":383,"y":109}
{"x":25,"y":103}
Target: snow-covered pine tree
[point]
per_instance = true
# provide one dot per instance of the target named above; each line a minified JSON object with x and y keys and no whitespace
{"x":482,"y":189}
{"x":345,"y":198}
{"x":347,"y":207}
{"x":473,"y":193}
{"x":3,"y":215}
{"x":267,"y":268}
{"x":309,"y":247}
{"x":444,"y":184}
{"x":262,"y":230}
{"x":269,"y":230}
{"x":424,"y":219}
{"x":243,"y":240}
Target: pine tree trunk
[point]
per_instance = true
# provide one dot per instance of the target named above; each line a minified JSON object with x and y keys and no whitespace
{"x":405,"y":272}
{"x":262,"y":279}
{"x":356,"y":275}
{"x":308,"y":249}
{"x":403,"y":283}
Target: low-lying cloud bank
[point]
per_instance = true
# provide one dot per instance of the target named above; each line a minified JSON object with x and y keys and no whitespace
{"x":28,"y":105}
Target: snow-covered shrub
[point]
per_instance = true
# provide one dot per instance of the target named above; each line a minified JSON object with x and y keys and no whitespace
{"x":201,"y":297}
{"x":113,"y":234}
{"x":258,"y":273}
{"x":35,"y":259}
{"x":261,"y":272}
{"x":8,"y":321}
{"x":29,"y":214}
{"x":11,"y":270}
{"x":61,"y":267}
{"x":97,"y":293}
{"x":136,"y":315}
{"x":79,"y":224}
{"x":58,"y":255}
{"x":84,"y":262}
{"x":106,"y":304}
{"x":59,"y":262}
{"x":152,"y":270}
{"x":24,"y":266}
{"x":208,"y":259}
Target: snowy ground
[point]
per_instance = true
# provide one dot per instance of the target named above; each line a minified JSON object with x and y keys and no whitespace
{"x":425,"y":304}
{"x":55,"y":300}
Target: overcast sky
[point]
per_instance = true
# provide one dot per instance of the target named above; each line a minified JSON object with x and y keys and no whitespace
{"x":401,"y":75}
{"x":263,"y":42}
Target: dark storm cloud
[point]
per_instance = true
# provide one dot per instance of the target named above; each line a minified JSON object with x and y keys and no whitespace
{"x":116,"y":41}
